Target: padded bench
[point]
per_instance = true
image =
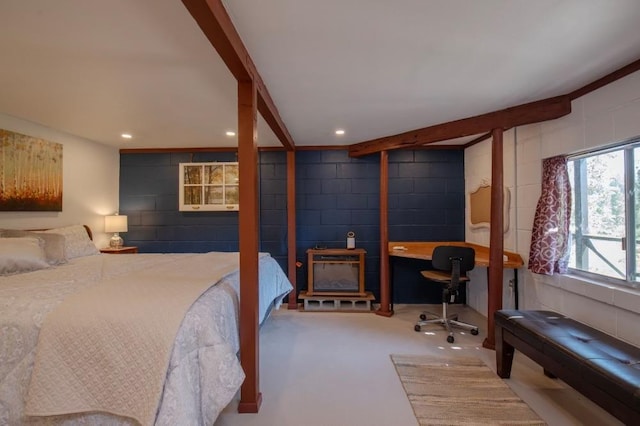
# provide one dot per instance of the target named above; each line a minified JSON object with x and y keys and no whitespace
{"x":601,"y":367}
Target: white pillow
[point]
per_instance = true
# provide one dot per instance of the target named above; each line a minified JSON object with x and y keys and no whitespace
{"x":52,"y":244}
{"x":19,"y":255}
{"x":76,"y":241}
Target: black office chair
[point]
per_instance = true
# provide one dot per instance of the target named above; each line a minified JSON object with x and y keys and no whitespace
{"x":450,"y":264}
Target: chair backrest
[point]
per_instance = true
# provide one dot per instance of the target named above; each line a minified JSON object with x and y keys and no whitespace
{"x":442,"y":255}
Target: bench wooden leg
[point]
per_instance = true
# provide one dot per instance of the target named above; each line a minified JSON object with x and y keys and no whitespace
{"x":504,"y":355}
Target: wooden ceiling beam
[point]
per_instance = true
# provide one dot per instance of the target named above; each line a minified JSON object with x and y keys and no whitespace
{"x":482,"y":123}
{"x":215,"y":23}
{"x":269,"y":112}
{"x":478,"y":140}
{"x":533,"y":112}
{"x":607,"y":79}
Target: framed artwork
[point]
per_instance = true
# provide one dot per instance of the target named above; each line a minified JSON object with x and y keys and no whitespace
{"x":30,"y":173}
{"x":480,"y":207}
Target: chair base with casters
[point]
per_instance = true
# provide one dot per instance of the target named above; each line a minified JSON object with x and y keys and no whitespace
{"x":453,"y":263}
{"x":446,"y":320}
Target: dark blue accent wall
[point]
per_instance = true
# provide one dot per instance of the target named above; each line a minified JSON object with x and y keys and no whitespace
{"x":149,"y":196}
{"x":273,"y":205}
{"x":426,"y":195}
{"x":335,"y":194}
{"x":426,"y":203}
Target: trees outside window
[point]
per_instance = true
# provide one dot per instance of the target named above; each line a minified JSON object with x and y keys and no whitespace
{"x":605,"y":215}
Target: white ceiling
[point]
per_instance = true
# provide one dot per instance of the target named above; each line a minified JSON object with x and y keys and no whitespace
{"x":372,"y":67}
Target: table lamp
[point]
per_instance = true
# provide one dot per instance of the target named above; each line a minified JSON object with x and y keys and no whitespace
{"x":115,"y":224}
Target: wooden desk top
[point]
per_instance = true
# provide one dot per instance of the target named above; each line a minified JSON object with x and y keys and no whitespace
{"x":423,"y":250}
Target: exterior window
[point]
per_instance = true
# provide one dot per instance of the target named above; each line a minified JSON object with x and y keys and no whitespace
{"x":605,"y":214}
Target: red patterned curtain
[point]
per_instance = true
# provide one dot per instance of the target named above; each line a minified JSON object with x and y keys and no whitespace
{"x":549,"y":251}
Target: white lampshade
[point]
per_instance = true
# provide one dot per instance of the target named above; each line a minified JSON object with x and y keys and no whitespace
{"x":115,"y":223}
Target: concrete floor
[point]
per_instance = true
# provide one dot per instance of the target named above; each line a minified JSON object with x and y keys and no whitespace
{"x":333,"y":368}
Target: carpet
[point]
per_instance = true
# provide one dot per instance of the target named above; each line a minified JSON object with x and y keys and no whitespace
{"x":459,"y":391}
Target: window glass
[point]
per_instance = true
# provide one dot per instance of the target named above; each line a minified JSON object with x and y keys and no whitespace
{"x":598,"y":214}
{"x":635,"y":243}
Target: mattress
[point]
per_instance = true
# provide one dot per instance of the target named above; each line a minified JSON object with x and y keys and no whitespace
{"x":204,"y":373}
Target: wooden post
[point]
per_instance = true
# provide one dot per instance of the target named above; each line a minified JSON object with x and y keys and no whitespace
{"x":250,"y":396}
{"x":292,"y":302}
{"x":385,"y":302}
{"x":496,"y":241}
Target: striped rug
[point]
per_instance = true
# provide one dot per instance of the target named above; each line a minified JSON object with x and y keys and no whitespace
{"x":459,"y":391}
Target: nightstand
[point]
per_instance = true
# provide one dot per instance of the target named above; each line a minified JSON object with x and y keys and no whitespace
{"x":121,"y":250}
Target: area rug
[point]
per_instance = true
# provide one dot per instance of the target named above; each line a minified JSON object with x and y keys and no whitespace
{"x":459,"y":391}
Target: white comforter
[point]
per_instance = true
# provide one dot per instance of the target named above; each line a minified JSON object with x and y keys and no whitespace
{"x":204,"y":373}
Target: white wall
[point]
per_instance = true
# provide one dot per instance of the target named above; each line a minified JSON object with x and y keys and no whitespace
{"x":477,"y":172}
{"x":90,"y":173}
{"x":608,"y":115}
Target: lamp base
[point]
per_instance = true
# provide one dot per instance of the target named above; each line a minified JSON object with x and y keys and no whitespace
{"x":116,"y":241}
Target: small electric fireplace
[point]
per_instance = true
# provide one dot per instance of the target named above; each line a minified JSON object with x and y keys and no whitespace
{"x":336,"y":272}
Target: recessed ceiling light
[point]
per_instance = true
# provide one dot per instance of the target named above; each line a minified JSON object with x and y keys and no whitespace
{"x":230,"y":133}
{"x":126,"y":136}
{"x":339,"y":132}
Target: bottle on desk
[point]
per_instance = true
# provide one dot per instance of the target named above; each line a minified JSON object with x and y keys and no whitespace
{"x":351,"y":240}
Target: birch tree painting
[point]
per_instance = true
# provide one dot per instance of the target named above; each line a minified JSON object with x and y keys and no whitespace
{"x":30,"y":173}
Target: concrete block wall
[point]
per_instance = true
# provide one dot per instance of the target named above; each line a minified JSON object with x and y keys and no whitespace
{"x":335,"y":194}
{"x":149,"y":197}
{"x":599,"y":119}
{"x":273,"y":205}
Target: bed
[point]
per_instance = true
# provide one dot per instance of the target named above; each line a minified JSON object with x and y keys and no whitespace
{"x":202,"y":373}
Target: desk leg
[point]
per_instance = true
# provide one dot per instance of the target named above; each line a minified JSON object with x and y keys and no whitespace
{"x":515,"y":288}
{"x":391,"y":284}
